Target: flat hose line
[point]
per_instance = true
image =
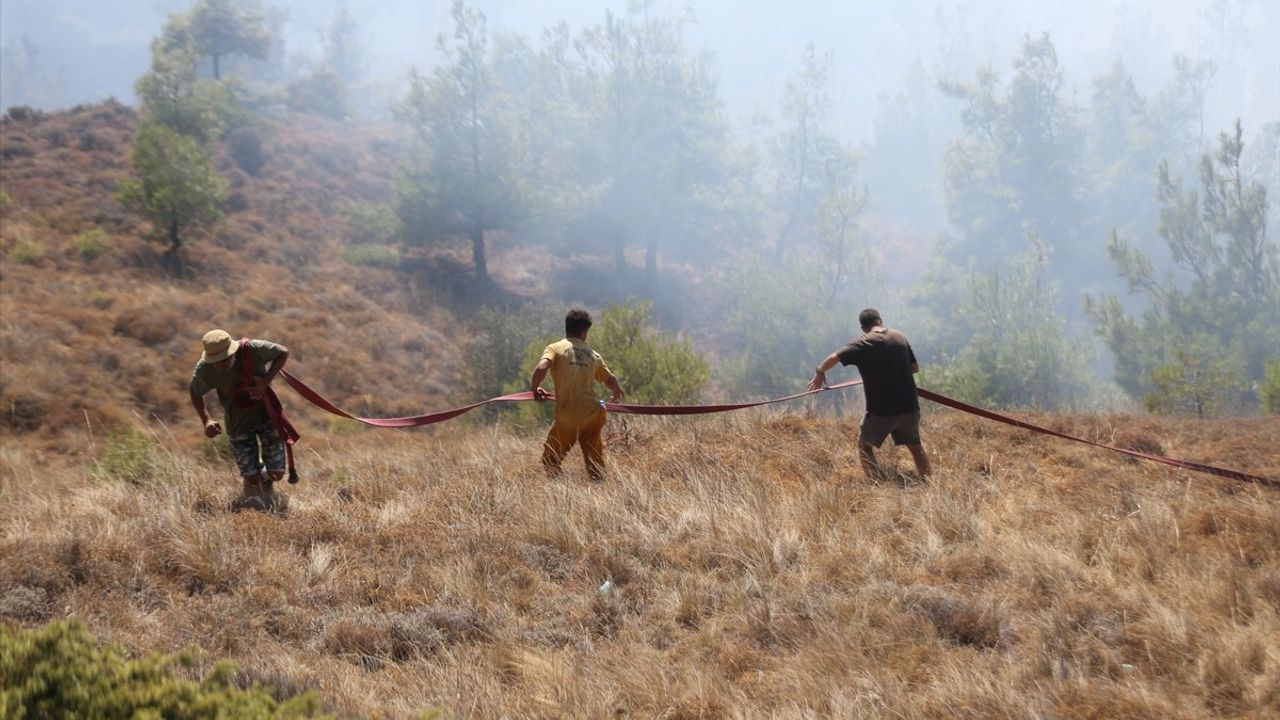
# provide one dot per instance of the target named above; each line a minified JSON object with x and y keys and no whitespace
{"x":320,"y":401}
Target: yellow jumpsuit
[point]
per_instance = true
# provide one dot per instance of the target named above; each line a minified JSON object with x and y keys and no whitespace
{"x":580,"y":416}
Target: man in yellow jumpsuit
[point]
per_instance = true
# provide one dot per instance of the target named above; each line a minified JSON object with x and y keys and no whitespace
{"x":580,"y":415}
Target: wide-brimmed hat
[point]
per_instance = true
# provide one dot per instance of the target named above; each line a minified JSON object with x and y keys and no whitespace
{"x":218,"y":346}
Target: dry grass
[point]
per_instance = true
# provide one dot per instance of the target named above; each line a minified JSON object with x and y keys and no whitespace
{"x":755,"y":574}
{"x":93,"y":341}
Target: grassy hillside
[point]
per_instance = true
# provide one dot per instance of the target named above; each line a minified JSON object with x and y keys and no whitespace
{"x":97,"y":332}
{"x":755,"y":572}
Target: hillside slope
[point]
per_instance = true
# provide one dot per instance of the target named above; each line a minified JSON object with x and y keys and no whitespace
{"x":97,"y":333}
{"x":756,"y":573}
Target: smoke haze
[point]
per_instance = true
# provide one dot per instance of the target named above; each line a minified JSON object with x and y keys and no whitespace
{"x":881,"y":144}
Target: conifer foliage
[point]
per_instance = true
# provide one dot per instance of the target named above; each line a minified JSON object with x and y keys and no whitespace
{"x":1210,"y":327}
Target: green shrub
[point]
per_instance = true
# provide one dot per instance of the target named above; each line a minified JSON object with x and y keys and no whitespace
{"x":1007,"y":346}
{"x":783,"y":324}
{"x":91,"y":243}
{"x":372,"y":223}
{"x":498,"y":343}
{"x":320,"y":92}
{"x":1197,"y":380}
{"x":59,"y":671}
{"x":962,"y":379}
{"x":654,"y":367}
{"x":27,"y":251}
{"x":1269,"y":390}
{"x":245,"y":145}
{"x":384,"y":256}
{"x":177,"y":189}
{"x":130,"y":456}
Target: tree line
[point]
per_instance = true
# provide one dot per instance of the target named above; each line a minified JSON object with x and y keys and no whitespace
{"x":613,"y":140}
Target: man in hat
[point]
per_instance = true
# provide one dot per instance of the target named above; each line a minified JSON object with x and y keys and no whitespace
{"x":258,"y":448}
{"x":886,"y":363}
{"x":580,"y":416}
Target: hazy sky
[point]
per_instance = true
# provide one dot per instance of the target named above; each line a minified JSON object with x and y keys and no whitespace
{"x":91,"y":50}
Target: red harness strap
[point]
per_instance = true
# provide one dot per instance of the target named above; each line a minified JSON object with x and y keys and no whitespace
{"x":275,"y":410}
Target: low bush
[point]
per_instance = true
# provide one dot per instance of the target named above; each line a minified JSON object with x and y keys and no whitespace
{"x":1269,"y":392}
{"x":60,"y":671}
{"x":25,"y":410}
{"x":29,"y":604}
{"x":27,"y":251}
{"x":130,"y":456}
{"x":372,"y":223}
{"x":90,"y":141}
{"x":148,"y":325}
{"x":497,"y":346}
{"x":23,"y":113}
{"x":320,"y":92}
{"x":91,"y":243}
{"x":383,"y":256}
{"x":245,"y":144}
{"x":16,"y":149}
{"x":1201,"y":381}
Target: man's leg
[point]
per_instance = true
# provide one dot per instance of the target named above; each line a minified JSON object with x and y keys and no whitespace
{"x":867,"y":456}
{"x":244,"y":448}
{"x":871,"y":434}
{"x":559,"y":441}
{"x":921,"y":459}
{"x":274,"y":455}
{"x":907,"y":432}
{"x":592,"y":439}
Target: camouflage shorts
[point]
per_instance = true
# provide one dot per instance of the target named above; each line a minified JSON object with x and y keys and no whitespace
{"x":258,"y":450}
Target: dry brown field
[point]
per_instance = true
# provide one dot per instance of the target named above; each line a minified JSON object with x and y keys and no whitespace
{"x":755,"y":573}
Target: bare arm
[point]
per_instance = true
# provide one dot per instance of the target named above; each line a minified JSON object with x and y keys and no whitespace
{"x":260,"y":384}
{"x":277,"y":365}
{"x":915,"y":368}
{"x":820,"y":375}
{"x":535,"y":381}
{"x":212,"y":428}
{"x":612,"y":383}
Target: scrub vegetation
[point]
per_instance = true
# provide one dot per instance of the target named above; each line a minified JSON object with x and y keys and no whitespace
{"x":1101,"y":261}
{"x":754,"y":572}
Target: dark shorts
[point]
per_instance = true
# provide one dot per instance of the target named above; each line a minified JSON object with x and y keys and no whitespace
{"x":905,"y":429}
{"x":258,"y":450}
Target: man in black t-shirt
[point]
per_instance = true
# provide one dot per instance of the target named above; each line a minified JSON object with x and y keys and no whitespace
{"x":886,"y":363}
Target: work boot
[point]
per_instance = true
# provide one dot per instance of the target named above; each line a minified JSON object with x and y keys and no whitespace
{"x":257,"y":494}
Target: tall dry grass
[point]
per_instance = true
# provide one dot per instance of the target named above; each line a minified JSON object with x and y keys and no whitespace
{"x":756,"y":574}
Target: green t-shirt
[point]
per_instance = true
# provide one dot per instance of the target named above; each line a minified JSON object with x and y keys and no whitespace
{"x":243,"y":414}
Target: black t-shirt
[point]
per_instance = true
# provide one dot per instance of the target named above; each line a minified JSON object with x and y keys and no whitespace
{"x":884,"y":360}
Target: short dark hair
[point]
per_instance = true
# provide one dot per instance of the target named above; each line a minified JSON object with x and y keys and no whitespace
{"x":869,"y":318}
{"x":576,"y":322}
